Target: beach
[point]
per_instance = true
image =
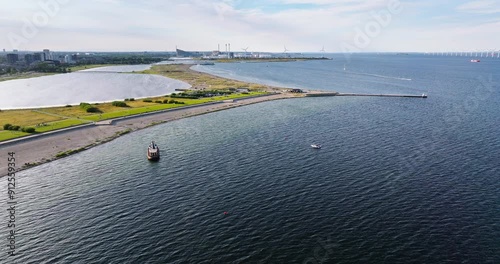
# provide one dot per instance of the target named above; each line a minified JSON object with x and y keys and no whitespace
{"x":47,"y":147}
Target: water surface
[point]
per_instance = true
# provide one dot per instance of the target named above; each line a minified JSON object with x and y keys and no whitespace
{"x":398,"y":180}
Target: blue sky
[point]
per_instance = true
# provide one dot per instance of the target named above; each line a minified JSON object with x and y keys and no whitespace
{"x":301,"y":25}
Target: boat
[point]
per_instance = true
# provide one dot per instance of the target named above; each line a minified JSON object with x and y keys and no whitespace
{"x":153,"y":152}
{"x":316,"y":146}
{"x":475,"y":61}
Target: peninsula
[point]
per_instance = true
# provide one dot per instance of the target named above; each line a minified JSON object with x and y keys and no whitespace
{"x":62,"y":131}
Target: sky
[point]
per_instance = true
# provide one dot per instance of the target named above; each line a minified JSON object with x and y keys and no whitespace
{"x":272,"y":25}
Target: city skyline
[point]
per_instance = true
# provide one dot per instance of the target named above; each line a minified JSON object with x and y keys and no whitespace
{"x":300,"y":25}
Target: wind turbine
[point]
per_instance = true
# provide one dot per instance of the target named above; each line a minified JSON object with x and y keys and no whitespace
{"x":285,"y":50}
{"x":246,"y":51}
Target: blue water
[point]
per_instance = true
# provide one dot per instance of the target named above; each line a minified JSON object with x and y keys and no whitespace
{"x":398,"y":180}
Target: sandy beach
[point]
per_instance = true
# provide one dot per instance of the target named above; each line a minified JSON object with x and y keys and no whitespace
{"x":43,"y":148}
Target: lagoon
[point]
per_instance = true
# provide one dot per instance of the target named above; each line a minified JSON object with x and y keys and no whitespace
{"x":93,"y":86}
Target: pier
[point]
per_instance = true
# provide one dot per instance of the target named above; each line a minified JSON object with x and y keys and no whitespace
{"x":318,"y":94}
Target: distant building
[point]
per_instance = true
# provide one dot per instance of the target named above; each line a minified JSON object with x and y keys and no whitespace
{"x":47,"y":55}
{"x":29,"y":58}
{"x":38,"y":57}
{"x":182,"y":53}
{"x":12,"y":58}
{"x":67,"y":59}
{"x":242,"y":55}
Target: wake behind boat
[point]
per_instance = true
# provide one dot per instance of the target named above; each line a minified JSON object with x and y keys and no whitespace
{"x":316,"y":146}
{"x":153,"y":152}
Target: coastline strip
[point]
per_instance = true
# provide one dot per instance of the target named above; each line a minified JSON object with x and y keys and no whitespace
{"x":46,"y":147}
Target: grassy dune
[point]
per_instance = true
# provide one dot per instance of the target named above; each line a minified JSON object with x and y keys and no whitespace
{"x":200,"y":80}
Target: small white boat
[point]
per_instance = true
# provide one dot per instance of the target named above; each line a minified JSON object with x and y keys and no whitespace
{"x":316,"y":146}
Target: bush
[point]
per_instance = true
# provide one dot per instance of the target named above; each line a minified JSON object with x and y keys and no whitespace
{"x":15,"y":128}
{"x":147,"y":100}
{"x":89,"y":108}
{"x":28,"y":129}
{"x":131,"y":99}
{"x":92,"y":109}
{"x":69,"y":106}
{"x":158,"y":102}
{"x":165,"y":101}
{"x":119,"y":104}
{"x":7,"y":126}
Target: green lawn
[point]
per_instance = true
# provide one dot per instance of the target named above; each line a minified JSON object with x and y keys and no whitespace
{"x":60,"y":124}
{"x":86,"y":67}
{"x":6,"y":135}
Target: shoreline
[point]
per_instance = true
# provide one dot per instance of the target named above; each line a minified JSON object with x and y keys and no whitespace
{"x":44,"y":148}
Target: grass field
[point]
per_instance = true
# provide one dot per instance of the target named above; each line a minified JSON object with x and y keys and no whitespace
{"x":54,"y":118}
{"x":200,"y":80}
{"x":24,"y":75}
{"x":86,"y":67}
{"x":27,"y":75}
{"x":25,"y":118}
{"x":6,"y":135}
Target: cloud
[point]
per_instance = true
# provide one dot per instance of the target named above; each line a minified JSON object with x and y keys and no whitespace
{"x":264,"y":25}
{"x":480,"y":7}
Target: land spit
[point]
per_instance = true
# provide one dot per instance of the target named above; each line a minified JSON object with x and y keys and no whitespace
{"x":43,"y":148}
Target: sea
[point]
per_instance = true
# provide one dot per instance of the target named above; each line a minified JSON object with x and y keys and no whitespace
{"x":398,"y":180}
